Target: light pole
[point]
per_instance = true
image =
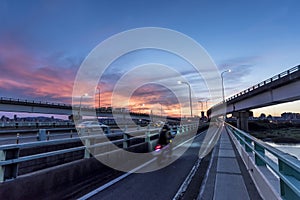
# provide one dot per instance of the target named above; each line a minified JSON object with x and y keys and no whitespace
{"x":84,"y":95}
{"x":98,"y":88}
{"x":223,"y":92}
{"x":190,"y":94}
{"x":201,"y":102}
{"x":160,"y":110}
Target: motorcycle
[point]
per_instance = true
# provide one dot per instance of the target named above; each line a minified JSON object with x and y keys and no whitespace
{"x":162,"y":152}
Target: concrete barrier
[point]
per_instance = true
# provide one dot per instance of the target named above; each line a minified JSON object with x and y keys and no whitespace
{"x":57,"y":182}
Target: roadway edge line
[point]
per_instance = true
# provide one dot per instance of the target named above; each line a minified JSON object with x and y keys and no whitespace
{"x":187,"y":180}
{"x":112,"y":182}
{"x":202,"y":187}
{"x":103,"y":187}
{"x":190,"y":176}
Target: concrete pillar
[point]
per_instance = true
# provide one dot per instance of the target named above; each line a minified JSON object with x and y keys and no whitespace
{"x":242,"y":119}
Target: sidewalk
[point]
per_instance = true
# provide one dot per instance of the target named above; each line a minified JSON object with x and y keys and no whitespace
{"x":228,"y":177}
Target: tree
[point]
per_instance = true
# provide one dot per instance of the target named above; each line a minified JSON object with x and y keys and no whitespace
{"x":270,"y":117}
{"x":262,"y":116}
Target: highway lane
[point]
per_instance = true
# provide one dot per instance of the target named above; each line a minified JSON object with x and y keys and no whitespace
{"x":162,"y":184}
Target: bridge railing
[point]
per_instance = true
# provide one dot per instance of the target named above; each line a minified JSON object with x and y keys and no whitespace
{"x":263,"y":83}
{"x":10,"y":154}
{"x":17,"y":124}
{"x":286,"y":167}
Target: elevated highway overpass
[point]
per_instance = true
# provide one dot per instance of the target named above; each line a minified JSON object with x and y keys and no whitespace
{"x":31,"y":106}
{"x":281,"y":88}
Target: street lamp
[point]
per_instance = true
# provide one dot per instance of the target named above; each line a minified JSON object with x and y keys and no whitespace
{"x":84,"y":95}
{"x":223,"y":92}
{"x":160,"y":110}
{"x":201,"y":102}
{"x":190,"y":94}
{"x":98,"y":88}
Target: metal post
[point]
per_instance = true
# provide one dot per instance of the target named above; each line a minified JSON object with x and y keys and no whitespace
{"x":48,"y":136}
{"x":260,"y":150}
{"x":147,"y":139}
{"x":18,"y":136}
{"x":125,"y":141}
{"x":223,"y":92}
{"x":87,"y":144}
{"x":41,"y":135}
{"x":190,"y":94}
{"x":285,"y":190}
{"x":9,"y":171}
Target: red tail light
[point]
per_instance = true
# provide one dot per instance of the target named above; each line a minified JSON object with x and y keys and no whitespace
{"x":157,"y":147}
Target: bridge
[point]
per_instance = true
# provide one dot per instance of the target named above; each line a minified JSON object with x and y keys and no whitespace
{"x":212,"y":160}
{"x":239,"y":167}
{"x":281,"y":88}
{"x":31,"y":106}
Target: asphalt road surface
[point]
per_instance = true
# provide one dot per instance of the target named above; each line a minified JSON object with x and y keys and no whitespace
{"x":162,"y":184}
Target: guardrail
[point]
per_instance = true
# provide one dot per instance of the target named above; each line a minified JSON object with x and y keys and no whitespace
{"x":17,"y":124}
{"x":266,"y":82}
{"x":263,"y":83}
{"x":287,"y":168}
{"x":102,"y":110}
{"x":10,"y":154}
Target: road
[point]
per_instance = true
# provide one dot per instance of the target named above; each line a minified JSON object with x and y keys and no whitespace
{"x":162,"y":184}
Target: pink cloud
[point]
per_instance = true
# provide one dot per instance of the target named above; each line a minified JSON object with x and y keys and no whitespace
{"x":34,"y":77}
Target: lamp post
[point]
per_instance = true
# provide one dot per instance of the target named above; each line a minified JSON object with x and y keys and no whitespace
{"x":190,"y":94}
{"x":84,"y":95}
{"x":160,"y":110}
{"x":98,"y":88}
{"x":201,"y":102}
{"x":223,"y":90}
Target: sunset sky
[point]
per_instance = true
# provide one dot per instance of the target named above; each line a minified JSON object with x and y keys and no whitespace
{"x":43,"y":43}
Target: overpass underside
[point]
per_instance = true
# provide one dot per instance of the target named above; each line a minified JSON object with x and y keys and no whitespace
{"x":279,"y":89}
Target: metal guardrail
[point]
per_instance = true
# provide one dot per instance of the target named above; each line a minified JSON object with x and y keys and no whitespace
{"x":10,"y":154}
{"x":17,"y":124}
{"x":266,"y":82}
{"x":287,"y":168}
{"x":263,"y":83}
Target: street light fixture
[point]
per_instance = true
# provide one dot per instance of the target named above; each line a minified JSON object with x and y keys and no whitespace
{"x":223,"y":92}
{"x":190,"y":94}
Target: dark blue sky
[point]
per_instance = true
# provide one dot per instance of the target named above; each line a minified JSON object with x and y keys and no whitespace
{"x":42,"y":43}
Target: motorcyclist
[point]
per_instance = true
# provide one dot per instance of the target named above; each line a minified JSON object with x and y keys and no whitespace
{"x":165,"y":136}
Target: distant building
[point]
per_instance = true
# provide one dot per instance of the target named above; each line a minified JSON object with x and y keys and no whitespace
{"x":290,"y":115}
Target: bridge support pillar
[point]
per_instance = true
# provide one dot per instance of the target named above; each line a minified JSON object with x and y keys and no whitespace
{"x":242,"y":119}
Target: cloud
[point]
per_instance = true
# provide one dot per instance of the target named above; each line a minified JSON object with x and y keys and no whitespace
{"x":23,"y":75}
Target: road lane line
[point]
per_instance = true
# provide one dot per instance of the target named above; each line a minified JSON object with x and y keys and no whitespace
{"x":206,"y":175}
{"x":187,"y":180}
{"x":105,"y":186}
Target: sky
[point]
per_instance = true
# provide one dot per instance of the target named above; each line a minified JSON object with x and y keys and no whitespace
{"x":43,"y":44}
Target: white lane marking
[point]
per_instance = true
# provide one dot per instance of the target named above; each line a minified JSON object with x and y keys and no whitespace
{"x":105,"y":186}
{"x":187,"y":180}
{"x":206,"y":175}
